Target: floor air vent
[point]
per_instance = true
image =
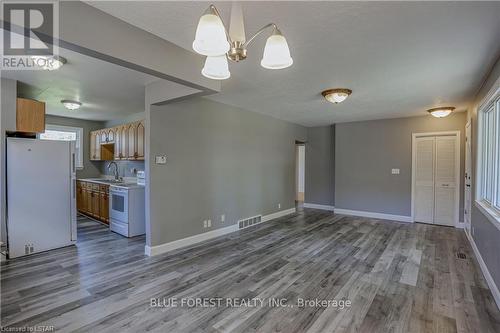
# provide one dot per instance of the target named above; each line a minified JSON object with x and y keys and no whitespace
{"x":245,"y":223}
{"x":461,"y":255}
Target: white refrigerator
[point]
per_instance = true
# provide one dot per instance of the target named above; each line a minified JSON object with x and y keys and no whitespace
{"x":41,"y":195}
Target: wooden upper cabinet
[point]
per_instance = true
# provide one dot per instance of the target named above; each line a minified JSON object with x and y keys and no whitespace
{"x":104,"y":136}
{"x":136,"y":138}
{"x":30,"y":116}
{"x":132,"y":141}
{"x":117,"y":132}
{"x":124,"y":142}
{"x":123,"y":154}
{"x":92,"y":145}
{"x":95,"y":145}
{"x":111,"y":134}
{"x":108,"y":135}
{"x":140,"y":140}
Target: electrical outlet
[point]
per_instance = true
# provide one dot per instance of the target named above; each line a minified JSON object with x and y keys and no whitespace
{"x":223,"y":218}
{"x":395,"y":171}
{"x":205,"y":224}
{"x":279,"y":206}
{"x":209,"y":223}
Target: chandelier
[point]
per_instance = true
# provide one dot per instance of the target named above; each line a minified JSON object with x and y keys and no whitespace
{"x":218,"y":45}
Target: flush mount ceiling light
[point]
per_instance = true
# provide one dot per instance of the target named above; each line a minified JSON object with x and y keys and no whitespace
{"x":336,"y":95}
{"x":49,"y":63}
{"x":71,"y":105}
{"x":214,"y":41}
{"x":441,"y":112}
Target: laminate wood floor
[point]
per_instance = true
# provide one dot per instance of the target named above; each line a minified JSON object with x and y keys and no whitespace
{"x":399,"y":277}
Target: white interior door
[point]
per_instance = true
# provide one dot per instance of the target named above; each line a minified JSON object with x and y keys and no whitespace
{"x":436,"y":180}
{"x":424,"y":179}
{"x":445,"y":181}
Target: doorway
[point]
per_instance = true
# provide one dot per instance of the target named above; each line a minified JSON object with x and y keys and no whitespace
{"x":468,"y":178}
{"x":300,"y":160}
{"x":436,"y":178}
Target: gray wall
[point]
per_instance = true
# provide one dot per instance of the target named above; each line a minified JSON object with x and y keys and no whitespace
{"x":90,"y":168}
{"x":320,"y":166}
{"x":485,"y":234}
{"x":128,"y":119}
{"x":365,"y":153}
{"x":220,"y":160}
{"x":7,"y":122}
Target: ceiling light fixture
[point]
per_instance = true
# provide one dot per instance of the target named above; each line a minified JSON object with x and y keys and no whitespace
{"x":49,"y":63}
{"x":337,"y":95}
{"x":71,"y":105}
{"x":441,"y":112}
{"x":214,"y":41}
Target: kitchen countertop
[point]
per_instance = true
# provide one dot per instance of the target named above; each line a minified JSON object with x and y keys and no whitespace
{"x":128,"y":182}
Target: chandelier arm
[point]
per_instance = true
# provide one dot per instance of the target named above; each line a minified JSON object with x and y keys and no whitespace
{"x":261,"y":30}
{"x":223,"y":24}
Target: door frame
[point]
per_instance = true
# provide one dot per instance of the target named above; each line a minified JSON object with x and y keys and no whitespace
{"x":297,"y":169}
{"x":468,"y":162}
{"x":457,"y":171}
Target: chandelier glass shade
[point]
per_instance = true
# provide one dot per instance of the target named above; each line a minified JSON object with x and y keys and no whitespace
{"x":216,"y":68}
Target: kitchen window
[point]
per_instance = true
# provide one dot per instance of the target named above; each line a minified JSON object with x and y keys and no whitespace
{"x":66,"y":133}
{"x":488,"y":190}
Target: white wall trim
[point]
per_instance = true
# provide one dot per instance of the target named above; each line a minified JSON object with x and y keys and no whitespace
{"x":486,"y":272}
{"x":316,"y":206}
{"x":400,"y":218}
{"x":457,"y":169}
{"x":278,"y":214}
{"x":177,"y":244}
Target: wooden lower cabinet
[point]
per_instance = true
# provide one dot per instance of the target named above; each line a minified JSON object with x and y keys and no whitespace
{"x":92,"y":199}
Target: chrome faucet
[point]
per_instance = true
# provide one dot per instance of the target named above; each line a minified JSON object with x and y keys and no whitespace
{"x":117,"y":177}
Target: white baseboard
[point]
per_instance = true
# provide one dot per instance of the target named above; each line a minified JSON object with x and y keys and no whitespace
{"x":158,"y":249}
{"x":163,"y":248}
{"x":281,"y":213}
{"x":486,"y":272}
{"x":316,"y":206}
{"x":400,"y":218}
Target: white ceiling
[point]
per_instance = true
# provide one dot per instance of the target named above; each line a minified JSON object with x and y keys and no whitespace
{"x":399,"y":58}
{"x":107,"y":91}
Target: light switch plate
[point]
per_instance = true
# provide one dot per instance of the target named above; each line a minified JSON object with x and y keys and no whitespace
{"x":161,"y":159}
{"x":395,"y":171}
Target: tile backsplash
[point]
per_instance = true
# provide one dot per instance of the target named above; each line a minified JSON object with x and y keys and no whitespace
{"x":124,"y":168}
